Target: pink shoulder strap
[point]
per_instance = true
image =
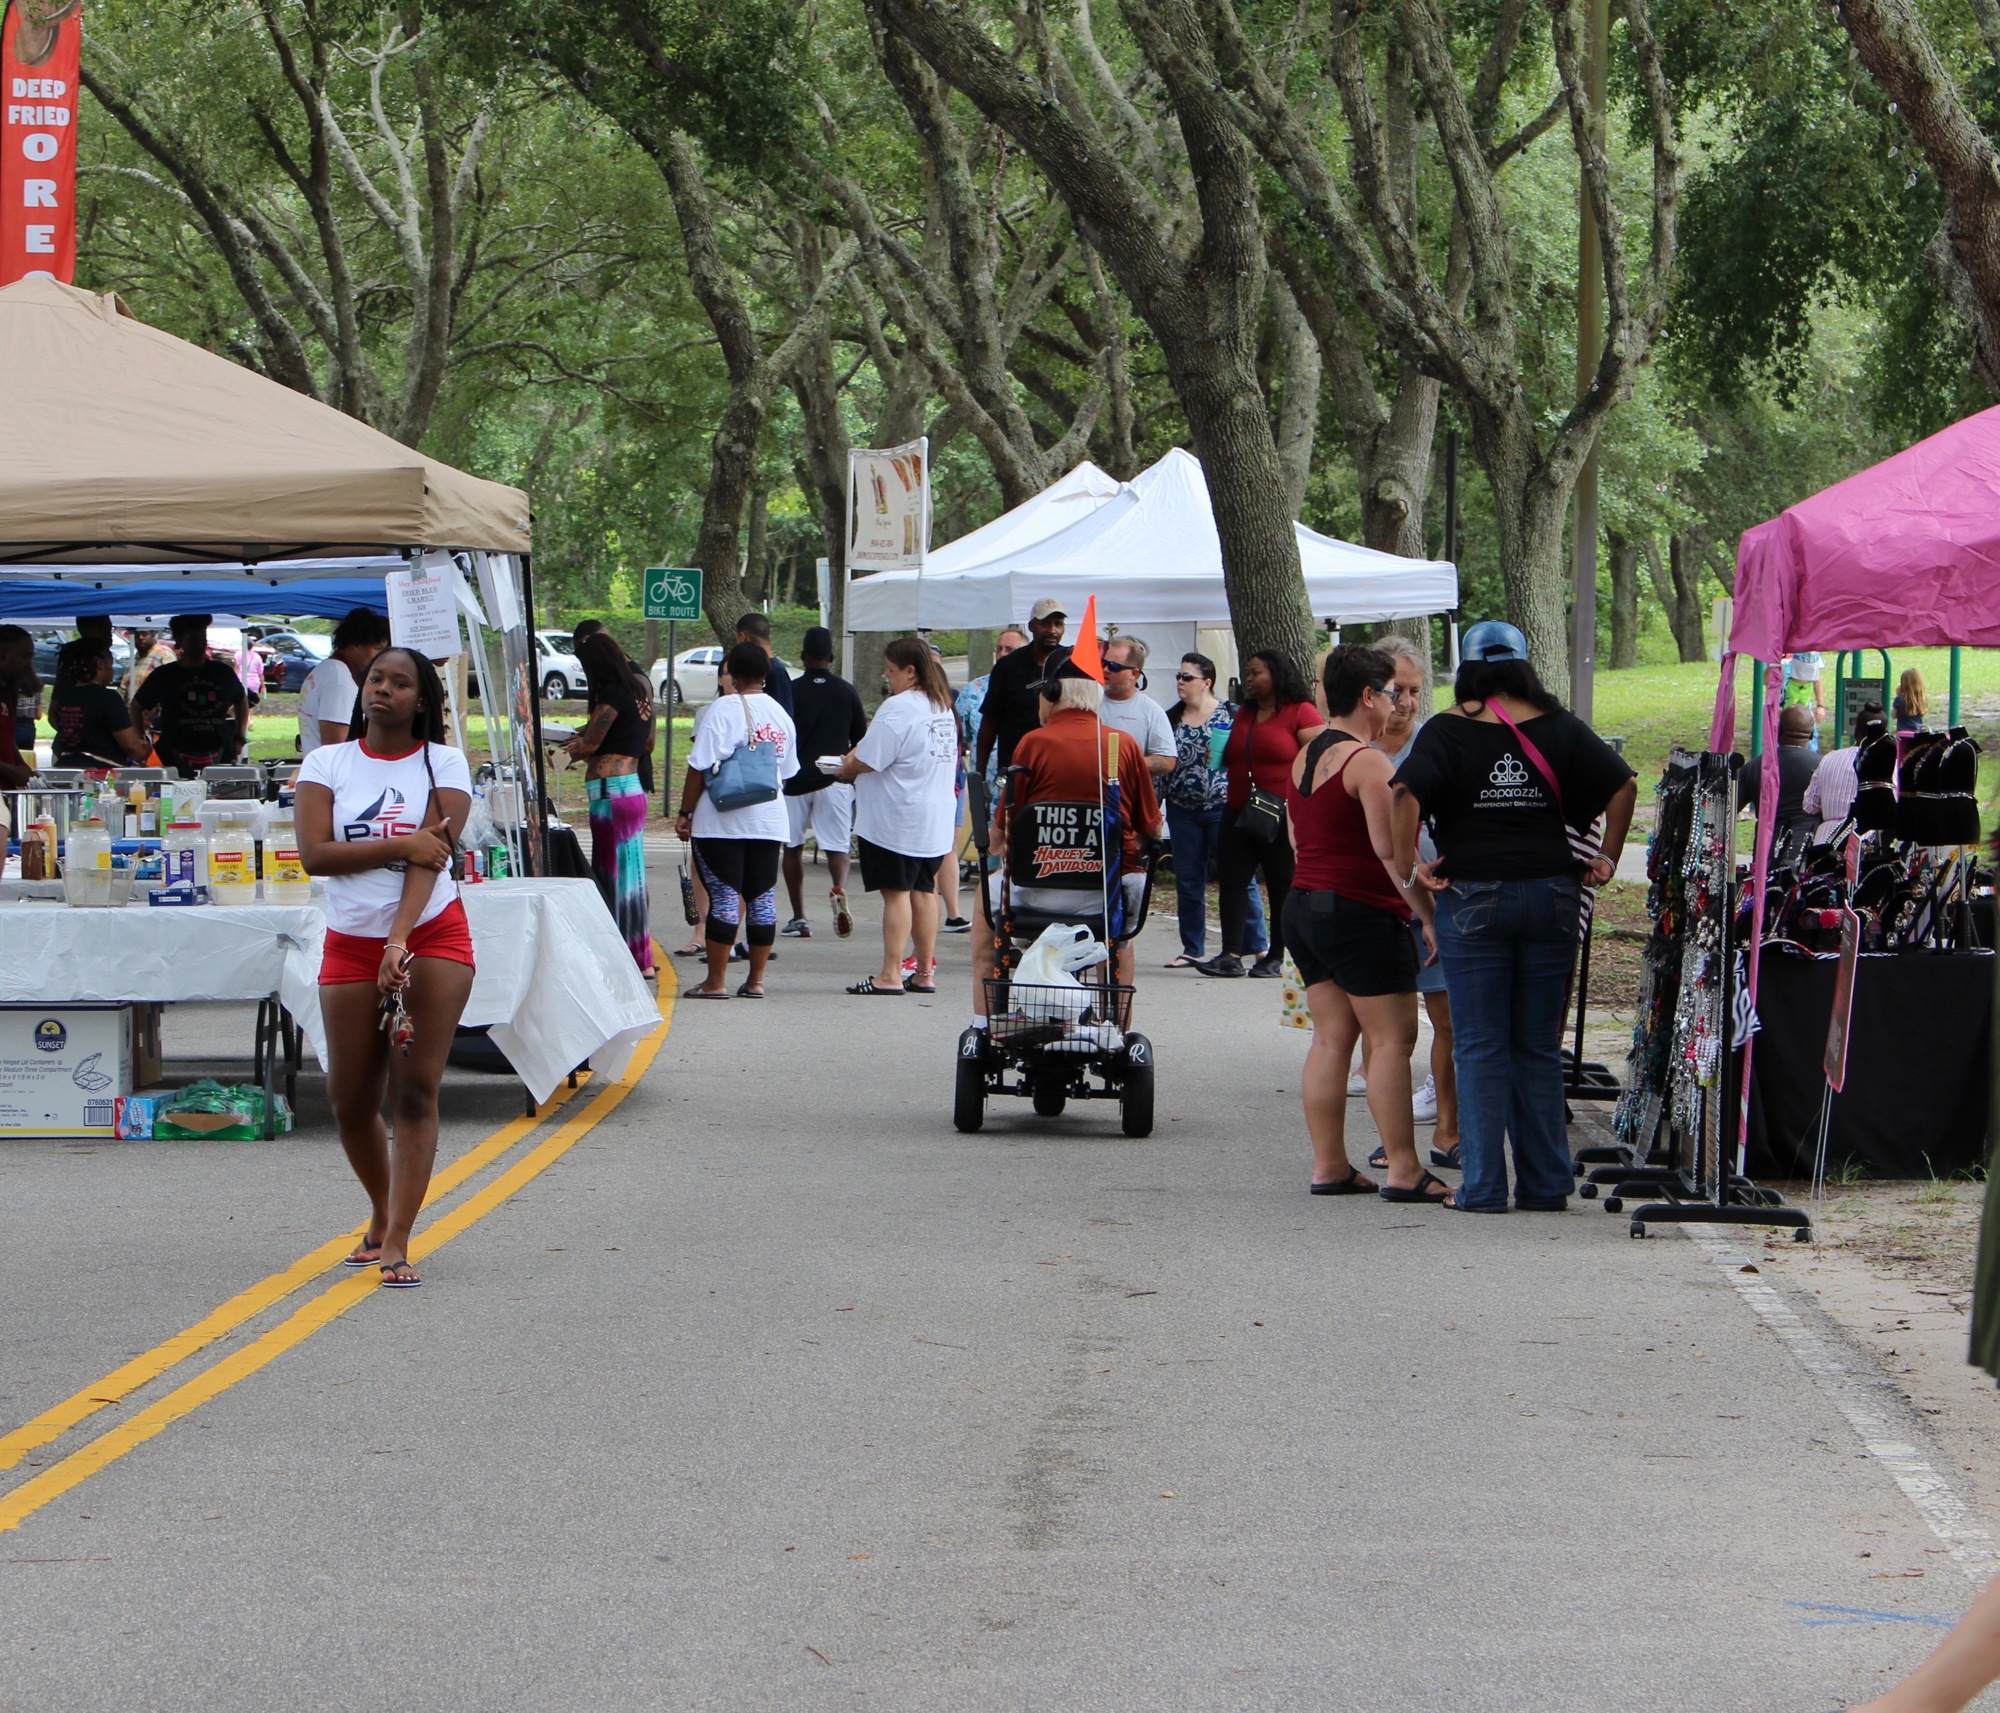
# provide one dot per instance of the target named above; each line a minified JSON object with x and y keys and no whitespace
{"x":1541,"y":761}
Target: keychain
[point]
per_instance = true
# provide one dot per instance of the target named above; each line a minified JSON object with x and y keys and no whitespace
{"x":396,"y":1022}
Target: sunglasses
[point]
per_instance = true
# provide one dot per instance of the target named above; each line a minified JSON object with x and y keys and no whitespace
{"x":1189,"y":678}
{"x":1119,"y":666}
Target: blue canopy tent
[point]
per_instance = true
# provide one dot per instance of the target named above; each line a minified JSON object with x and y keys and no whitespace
{"x":55,"y":602}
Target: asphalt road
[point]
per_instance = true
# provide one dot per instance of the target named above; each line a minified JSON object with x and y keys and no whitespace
{"x":773,"y":1391}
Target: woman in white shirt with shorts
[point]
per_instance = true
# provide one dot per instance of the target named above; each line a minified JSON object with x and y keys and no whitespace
{"x":379,"y":818}
{"x":737,"y":851}
{"x":906,"y":809}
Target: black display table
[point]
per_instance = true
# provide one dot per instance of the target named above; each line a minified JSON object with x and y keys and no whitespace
{"x":1918,"y":1070}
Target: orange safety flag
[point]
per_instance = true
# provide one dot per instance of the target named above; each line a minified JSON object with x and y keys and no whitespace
{"x":40,"y":48}
{"x":1085,"y":651}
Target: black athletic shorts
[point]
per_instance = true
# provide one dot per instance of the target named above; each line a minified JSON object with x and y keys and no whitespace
{"x":1361,"y":948}
{"x":891,"y":871}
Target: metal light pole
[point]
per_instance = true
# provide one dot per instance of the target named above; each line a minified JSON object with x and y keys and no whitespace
{"x":1589,"y":338}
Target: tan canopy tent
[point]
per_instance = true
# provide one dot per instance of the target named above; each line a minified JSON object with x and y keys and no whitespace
{"x":120,"y":443}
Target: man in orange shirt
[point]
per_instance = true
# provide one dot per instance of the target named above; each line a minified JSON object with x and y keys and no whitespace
{"x":1065,"y":761}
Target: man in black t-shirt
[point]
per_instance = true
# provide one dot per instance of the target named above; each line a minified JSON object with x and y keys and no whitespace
{"x":1013,"y":705}
{"x":755,"y":627}
{"x":200,"y":714}
{"x":828,"y":714}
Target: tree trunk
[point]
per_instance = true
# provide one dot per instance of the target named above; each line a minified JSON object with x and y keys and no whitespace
{"x":756,"y":549}
{"x":1688,"y":628}
{"x":1624,"y":601}
{"x":1895,"y":46}
{"x":1297,"y":414}
{"x":1678,"y":585}
{"x":1231,"y":432}
{"x":1203,"y":304}
{"x":1530,"y":505}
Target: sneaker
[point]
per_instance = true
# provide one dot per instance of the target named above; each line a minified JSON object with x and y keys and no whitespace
{"x":955,"y":925}
{"x":798,"y":928}
{"x":843,"y":922}
{"x":1357,"y":1087}
{"x":1223,"y":963}
{"x":1424,"y":1103}
{"x":1268,"y":967}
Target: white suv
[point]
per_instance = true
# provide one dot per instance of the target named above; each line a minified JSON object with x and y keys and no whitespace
{"x":557,"y":668}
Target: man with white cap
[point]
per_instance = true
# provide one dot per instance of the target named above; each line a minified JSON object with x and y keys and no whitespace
{"x":1013,"y":705}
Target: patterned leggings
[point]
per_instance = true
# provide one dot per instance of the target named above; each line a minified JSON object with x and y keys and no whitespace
{"x":736,"y":871}
{"x":618,"y":858}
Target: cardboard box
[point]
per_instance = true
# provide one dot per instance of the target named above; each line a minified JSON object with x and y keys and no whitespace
{"x":63,"y":1068}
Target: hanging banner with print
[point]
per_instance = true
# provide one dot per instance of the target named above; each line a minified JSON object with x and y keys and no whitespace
{"x":40,"y":47}
{"x":889,"y":508}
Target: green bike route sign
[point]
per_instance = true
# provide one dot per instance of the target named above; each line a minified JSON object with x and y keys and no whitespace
{"x":673,"y":594}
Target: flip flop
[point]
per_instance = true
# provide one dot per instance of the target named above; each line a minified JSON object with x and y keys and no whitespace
{"x":705,"y":993}
{"x":1354,"y":1184}
{"x":1183,"y":962}
{"x":1380,"y":1159}
{"x":392,"y":1282}
{"x":1419,"y":1191}
{"x":1448,"y":1158}
{"x":746,"y":991}
{"x":366,"y":1254}
{"x":1454,"y":1205}
{"x":867,"y":985}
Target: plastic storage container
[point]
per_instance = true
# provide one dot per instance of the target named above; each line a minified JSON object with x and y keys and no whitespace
{"x":186,"y":848}
{"x":285,"y":877}
{"x":232,"y":863}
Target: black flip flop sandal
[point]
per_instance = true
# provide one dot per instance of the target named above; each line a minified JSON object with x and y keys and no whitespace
{"x":1379,"y":1159}
{"x":1419,"y":1191}
{"x":361,"y":1256}
{"x":1448,"y":1158}
{"x":867,"y":985}
{"x":391,"y":1283}
{"x":746,"y":991}
{"x":1354,"y":1184}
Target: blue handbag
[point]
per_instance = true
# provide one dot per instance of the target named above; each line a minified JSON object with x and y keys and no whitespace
{"x":748,"y":774}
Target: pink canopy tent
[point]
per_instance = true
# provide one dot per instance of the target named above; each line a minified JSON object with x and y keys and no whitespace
{"x":1904,"y":555}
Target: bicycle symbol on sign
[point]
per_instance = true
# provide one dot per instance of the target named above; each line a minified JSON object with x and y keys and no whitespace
{"x":679,"y":591}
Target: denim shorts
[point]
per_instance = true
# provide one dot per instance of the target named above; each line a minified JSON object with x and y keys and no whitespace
{"x":1361,"y":948}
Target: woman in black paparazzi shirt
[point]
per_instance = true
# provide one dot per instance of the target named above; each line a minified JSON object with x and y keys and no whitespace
{"x":1503,"y":778}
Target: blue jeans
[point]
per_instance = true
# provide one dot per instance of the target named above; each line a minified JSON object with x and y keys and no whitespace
{"x":1508,"y":947}
{"x":1194,"y":833}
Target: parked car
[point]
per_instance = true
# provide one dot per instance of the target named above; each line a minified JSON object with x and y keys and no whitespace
{"x":289,"y":655}
{"x":48,"y":643}
{"x":694,"y":675}
{"x":557,"y":668}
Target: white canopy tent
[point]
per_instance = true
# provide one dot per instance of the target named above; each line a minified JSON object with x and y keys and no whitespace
{"x":1148,"y":551}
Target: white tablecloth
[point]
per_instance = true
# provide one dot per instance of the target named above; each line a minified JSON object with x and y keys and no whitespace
{"x":555,"y":984}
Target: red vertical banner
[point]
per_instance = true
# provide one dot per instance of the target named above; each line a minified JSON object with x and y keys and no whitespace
{"x":40,"y":50}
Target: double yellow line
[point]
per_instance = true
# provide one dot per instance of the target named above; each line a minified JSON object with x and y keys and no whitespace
{"x":21,"y":1502}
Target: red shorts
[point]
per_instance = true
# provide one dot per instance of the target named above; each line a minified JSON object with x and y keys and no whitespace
{"x":356,"y":957}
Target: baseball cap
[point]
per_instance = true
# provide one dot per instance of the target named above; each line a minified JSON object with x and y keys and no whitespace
{"x":1062,"y":664}
{"x":1048,"y":607}
{"x":1493,"y":639}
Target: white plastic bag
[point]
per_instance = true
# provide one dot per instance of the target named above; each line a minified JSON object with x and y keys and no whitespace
{"x":1052,"y":962}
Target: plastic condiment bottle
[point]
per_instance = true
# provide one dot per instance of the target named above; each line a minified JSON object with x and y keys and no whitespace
{"x":44,"y":832}
{"x":187,"y":854}
{"x":285,"y":877}
{"x":232,"y":864}
{"x":135,"y":813}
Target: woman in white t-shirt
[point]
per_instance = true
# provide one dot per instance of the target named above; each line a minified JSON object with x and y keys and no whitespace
{"x":736,"y":851}
{"x":905,"y":809}
{"x":379,"y":818}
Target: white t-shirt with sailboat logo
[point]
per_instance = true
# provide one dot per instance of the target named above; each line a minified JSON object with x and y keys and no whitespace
{"x":381,"y":797}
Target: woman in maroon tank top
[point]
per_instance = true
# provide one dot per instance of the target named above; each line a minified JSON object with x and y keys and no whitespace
{"x":1346,"y":927}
